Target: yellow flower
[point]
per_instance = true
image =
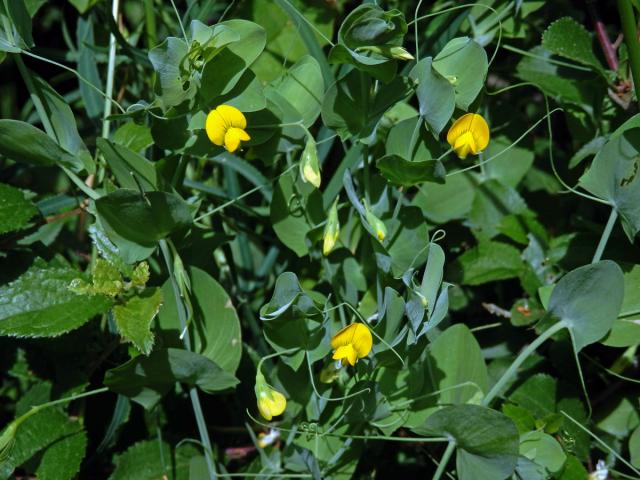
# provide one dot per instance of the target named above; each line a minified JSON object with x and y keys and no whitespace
{"x":351,"y":343}
{"x":468,"y":134}
{"x":331,"y":230}
{"x":226,"y":126}
{"x":271,"y":402}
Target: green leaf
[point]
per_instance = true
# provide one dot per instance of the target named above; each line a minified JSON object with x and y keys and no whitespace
{"x":133,"y":136}
{"x":62,"y":459}
{"x":167,"y":60}
{"x":146,"y":460}
{"x":561,"y":83}
{"x":134,"y":318}
{"x":23,"y":142}
{"x":126,"y":164}
{"x":309,"y":38}
{"x":588,"y":300}
{"x":289,"y":211}
{"x":613,"y":176}
{"x":625,"y":331}
{"x":408,"y":233}
{"x":303,"y":86}
{"x":463,"y":62}
{"x":348,"y":109}
{"x":21,"y":23}
{"x":143,"y":220}
{"x":537,"y":394}
{"x":48,"y":307}
{"x":620,"y":418}
{"x":510,"y":167}
{"x":490,"y":261}
{"x":634,"y":447}
{"x":366,"y":37}
{"x":570,"y":39}
{"x":409,"y":173}
{"x":49,"y":428}
{"x":88,"y":68}
{"x":450,"y":201}
{"x":215,"y":328}
{"x":224,"y":71}
{"x":456,"y":359}
{"x":544,"y":450}
{"x":436,"y":95}
{"x":63,"y":122}
{"x":146,"y":379}
{"x":487,"y":441}
{"x":15,"y":209}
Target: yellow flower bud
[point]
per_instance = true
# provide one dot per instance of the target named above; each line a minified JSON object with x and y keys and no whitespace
{"x":271,"y":402}
{"x":352,"y":343}
{"x":377,"y":224}
{"x":226,"y":126}
{"x":468,"y":134}
{"x":331,"y":230}
{"x":309,"y":168}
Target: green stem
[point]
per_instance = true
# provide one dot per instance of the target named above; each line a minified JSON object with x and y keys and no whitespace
{"x":193,"y":392}
{"x":628,"y":20}
{"x":606,"y":233}
{"x":442,"y":466}
{"x":513,"y":368}
{"x":150,"y":21}
{"x":35,"y":409}
{"x":110,"y":73}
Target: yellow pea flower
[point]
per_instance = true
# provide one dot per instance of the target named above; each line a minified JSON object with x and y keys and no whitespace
{"x":271,"y":402}
{"x":352,"y":343}
{"x":331,"y":230}
{"x":226,"y":126}
{"x":468,"y":134}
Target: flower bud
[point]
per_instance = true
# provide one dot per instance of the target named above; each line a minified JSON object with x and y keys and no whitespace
{"x":271,"y":402}
{"x":331,"y":229}
{"x":377,"y":224}
{"x":309,"y":168}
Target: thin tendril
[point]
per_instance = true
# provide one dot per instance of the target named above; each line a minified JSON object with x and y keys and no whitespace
{"x":506,"y":149}
{"x":184,"y":34}
{"x":245,"y":194}
{"x":329,"y":399}
{"x":75,"y":72}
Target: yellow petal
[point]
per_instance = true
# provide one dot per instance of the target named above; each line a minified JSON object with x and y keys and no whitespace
{"x":215,"y":127}
{"x":264,"y":405}
{"x":342,"y":352}
{"x":470,"y":125}
{"x":232,"y":116}
{"x":278,"y":403}
{"x":232,"y":138}
{"x":362,"y":340}
{"x":343,"y":337}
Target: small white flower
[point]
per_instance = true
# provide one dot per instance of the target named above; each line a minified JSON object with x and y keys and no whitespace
{"x":267,"y":439}
{"x":601,"y":472}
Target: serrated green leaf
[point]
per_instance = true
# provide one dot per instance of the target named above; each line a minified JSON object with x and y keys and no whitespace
{"x":146,"y":460}
{"x":62,"y":459}
{"x":15,"y":209}
{"x":134,"y":318}
{"x":46,"y":306}
{"x":490,"y":261}
{"x":570,"y":39}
